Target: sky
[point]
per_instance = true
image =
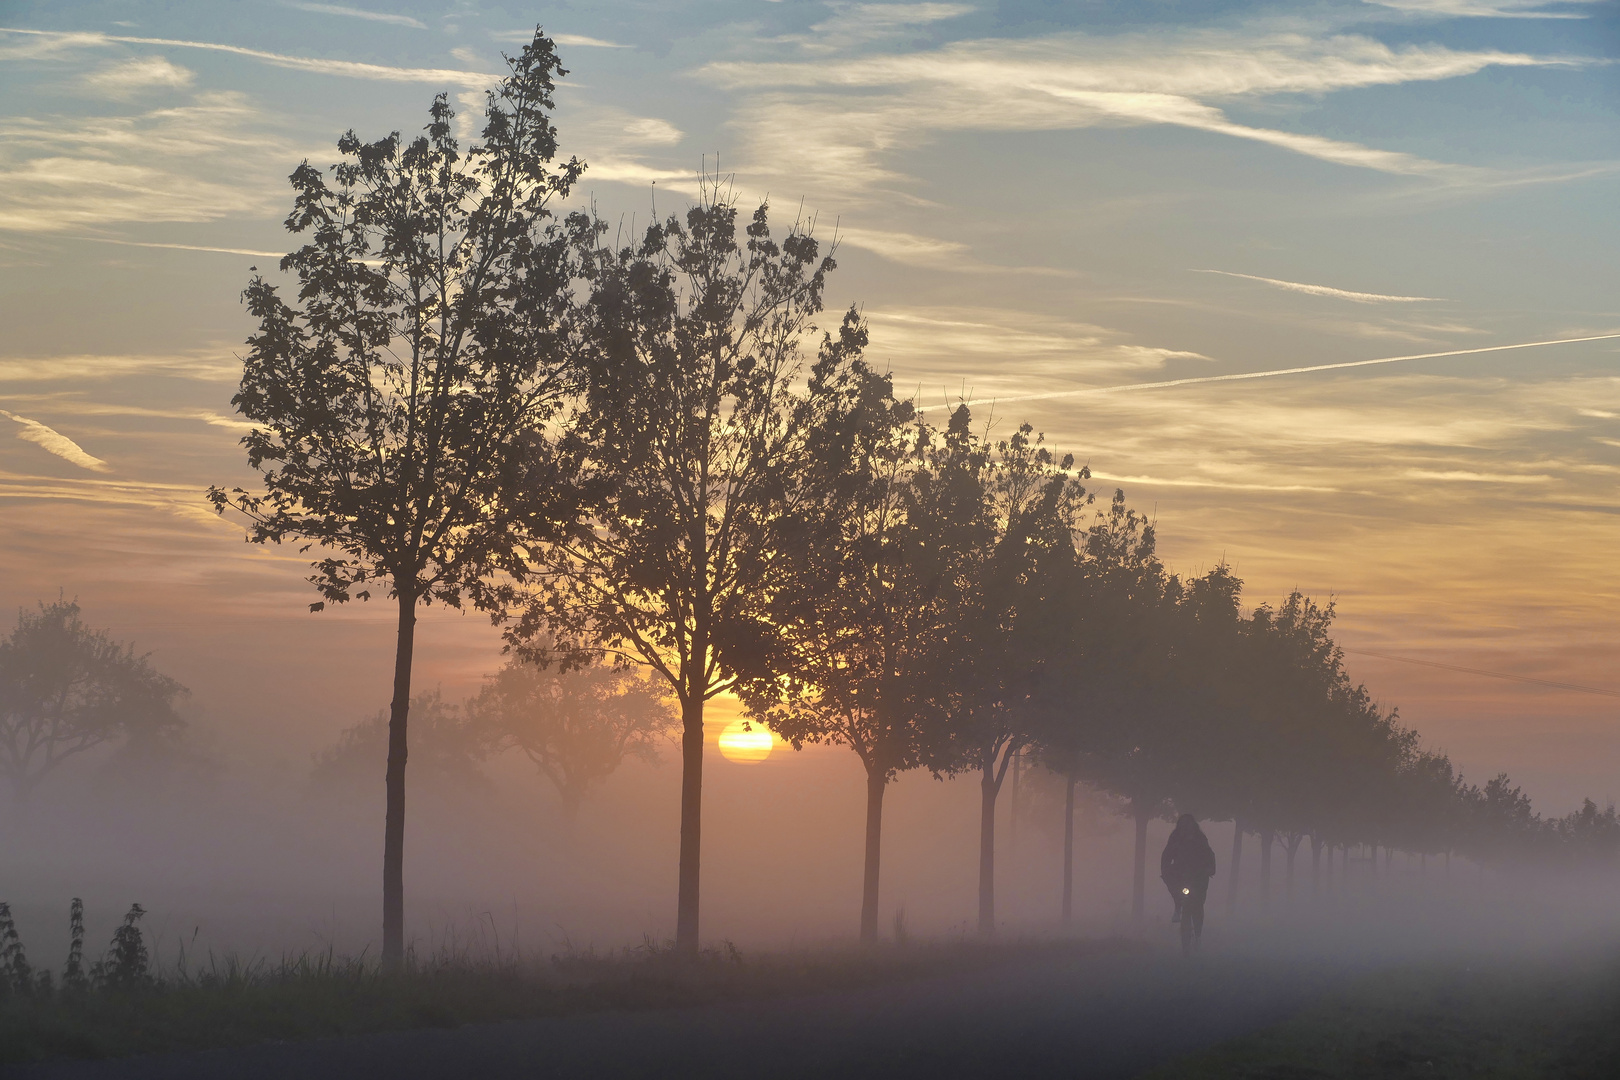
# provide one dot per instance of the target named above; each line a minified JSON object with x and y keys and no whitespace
{"x":1033,"y":201}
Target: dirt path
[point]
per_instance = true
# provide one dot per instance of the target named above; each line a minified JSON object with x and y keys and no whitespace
{"x":1104,"y":1016}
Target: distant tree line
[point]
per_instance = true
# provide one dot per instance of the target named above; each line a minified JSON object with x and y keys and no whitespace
{"x":649,"y":452}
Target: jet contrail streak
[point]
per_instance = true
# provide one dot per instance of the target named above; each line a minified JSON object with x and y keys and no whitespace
{"x":1280,"y":371}
{"x":1579,"y":689}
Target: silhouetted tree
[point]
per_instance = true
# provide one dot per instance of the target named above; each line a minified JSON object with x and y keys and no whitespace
{"x":444,"y":747}
{"x":987,"y":656}
{"x":695,"y":430}
{"x":577,"y":726}
{"x":402,"y":402}
{"x":65,"y":689}
{"x":864,"y":559}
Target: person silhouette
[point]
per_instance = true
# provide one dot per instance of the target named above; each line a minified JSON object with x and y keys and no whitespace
{"x":1185,"y":867}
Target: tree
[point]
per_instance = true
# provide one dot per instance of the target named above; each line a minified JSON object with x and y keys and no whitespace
{"x":66,"y":689}
{"x":986,"y":655}
{"x":402,"y":401}
{"x":863,"y":560}
{"x":1098,"y":709}
{"x":576,"y":726}
{"x":445,"y":747}
{"x":691,"y":339}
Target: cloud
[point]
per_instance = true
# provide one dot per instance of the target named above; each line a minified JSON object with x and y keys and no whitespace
{"x":1324,"y":290}
{"x":344,"y":68}
{"x":838,"y":120}
{"x":55,"y":442}
{"x":1275,"y":372}
{"x":355,"y":13}
{"x":856,"y":24}
{"x":214,"y":365}
{"x":969,"y":346}
{"x":142,"y":73}
{"x":1501,"y":9}
{"x":523,"y":37}
{"x":185,"y":163}
{"x":581,"y":40}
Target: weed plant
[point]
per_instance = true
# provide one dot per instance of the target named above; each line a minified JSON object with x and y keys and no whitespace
{"x":124,"y":1006}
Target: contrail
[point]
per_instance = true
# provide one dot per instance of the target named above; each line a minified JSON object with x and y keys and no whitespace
{"x":1577,"y":687}
{"x":1279,"y":371}
{"x":1326,"y":290}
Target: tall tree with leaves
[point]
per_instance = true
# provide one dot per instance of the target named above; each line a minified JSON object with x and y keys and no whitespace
{"x":402,"y":400}
{"x":66,"y":689}
{"x":873,"y":546}
{"x":576,"y":726}
{"x":696,"y":432}
{"x":987,"y":656}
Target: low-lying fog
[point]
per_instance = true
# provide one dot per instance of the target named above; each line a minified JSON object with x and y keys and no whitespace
{"x":263,"y":861}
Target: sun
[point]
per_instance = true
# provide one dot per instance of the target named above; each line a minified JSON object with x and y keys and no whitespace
{"x":738,"y":743}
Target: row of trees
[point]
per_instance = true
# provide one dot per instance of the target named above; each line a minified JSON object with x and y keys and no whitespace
{"x":619,"y":452}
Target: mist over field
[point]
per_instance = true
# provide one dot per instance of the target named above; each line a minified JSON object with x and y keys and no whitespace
{"x":809,"y":538}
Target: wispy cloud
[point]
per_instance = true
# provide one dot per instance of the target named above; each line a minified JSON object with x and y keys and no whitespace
{"x":211,"y":365}
{"x":355,"y":13}
{"x":1325,"y":290}
{"x":54,"y":442}
{"x":840,"y":120}
{"x":582,"y":41}
{"x":523,"y":37}
{"x":1276,"y":372}
{"x":1499,"y":9}
{"x":857,"y":24}
{"x":184,"y":163}
{"x":141,"y":73}
{"x":344,"y":68}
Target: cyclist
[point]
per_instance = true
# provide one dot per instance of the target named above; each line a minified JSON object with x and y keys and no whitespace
{"x":1186,"y":866}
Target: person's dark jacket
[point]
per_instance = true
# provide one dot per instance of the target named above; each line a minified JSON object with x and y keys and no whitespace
{"x":1188,"y":859}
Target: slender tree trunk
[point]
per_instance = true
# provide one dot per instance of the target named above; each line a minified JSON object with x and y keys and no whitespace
{"x":1012,"y":813}
{"x":1372,"y":863}
{"x":1316,"y":865}
{"x":1068,"y":852}
{"x":1139,"y":872}
{"x":876,"y":783}
{"x":393,"y":950}
{"x":1292,"y":849}
{"x":686,"y":906}
{"x":1267,"y":840}
{"x":987,"y":847}
{"x":1237,"y":859}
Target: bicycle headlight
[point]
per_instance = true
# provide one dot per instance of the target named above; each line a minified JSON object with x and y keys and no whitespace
{"x":1186,"y":892}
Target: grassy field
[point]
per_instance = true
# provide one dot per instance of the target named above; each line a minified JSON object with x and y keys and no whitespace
{"x":235,"y":1004}
{"x":1498,"y":1020}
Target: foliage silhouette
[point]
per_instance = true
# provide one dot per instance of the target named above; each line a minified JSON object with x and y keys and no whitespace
{"x":405,"y":402}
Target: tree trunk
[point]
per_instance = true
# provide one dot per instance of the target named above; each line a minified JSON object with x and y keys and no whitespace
{"x":393,"y":948}
{"x":1237,"y":859}
{"x":1068,"y":852}
{"x":686,"y":906}
{"x":1372,"y":863}
{"x":1139,"y":874}
{"x":1316,"y":865}
{"x":876,"y":783}
{"x":1292,"y":849}
{"x":987,"y":847}
{"x":1267,"y":840}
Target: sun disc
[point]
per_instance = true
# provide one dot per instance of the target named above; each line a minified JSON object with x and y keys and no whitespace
{"x":738,"y":743}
